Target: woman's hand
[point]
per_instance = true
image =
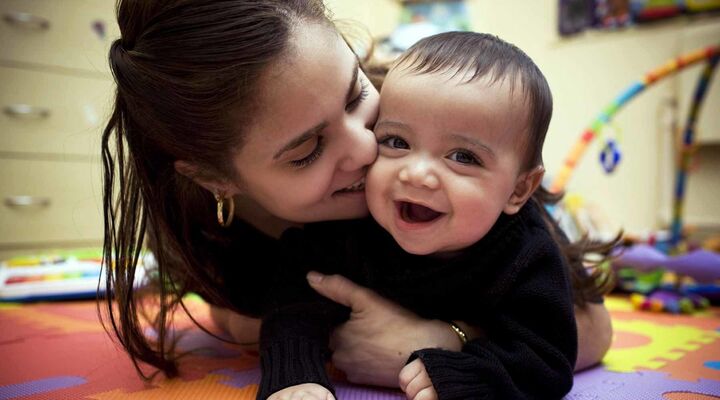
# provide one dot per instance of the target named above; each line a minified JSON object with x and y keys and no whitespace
{"x":374,"y":345}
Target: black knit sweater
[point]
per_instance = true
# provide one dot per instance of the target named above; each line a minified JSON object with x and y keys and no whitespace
{"x":512,"y":284}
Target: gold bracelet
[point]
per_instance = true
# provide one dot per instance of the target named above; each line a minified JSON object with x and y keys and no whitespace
{"x":458,"y":331}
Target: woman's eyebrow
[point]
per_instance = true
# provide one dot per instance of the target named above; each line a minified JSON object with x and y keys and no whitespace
{"x":302,"y":138}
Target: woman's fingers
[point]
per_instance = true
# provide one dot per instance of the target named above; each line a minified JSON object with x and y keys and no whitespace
{"x":343,"y":291}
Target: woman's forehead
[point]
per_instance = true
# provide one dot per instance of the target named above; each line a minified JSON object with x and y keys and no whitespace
{"x":305,"y":88}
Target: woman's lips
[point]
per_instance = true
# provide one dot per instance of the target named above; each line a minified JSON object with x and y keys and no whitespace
{"x":358,"y":186}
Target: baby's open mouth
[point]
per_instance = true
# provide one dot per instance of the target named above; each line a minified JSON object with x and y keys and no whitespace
{"x":415,"y":213}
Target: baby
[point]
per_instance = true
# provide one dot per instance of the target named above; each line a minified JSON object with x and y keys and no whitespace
{"x":463,"y":118}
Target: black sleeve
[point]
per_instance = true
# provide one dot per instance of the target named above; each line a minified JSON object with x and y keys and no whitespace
{"x":297,"y":321}
{"x":294,"y":345}
{"x":530,"y":346}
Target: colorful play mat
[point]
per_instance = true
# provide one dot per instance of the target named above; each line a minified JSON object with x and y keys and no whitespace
{"x":60,"y":351}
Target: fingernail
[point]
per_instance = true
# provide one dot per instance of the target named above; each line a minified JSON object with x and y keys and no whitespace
{"x":315,"y":277}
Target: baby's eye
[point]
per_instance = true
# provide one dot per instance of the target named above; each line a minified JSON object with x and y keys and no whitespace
{"x":394,"y":142}
{"x":464,"y":157}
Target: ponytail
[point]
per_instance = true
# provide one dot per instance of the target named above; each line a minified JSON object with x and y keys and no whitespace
{"x":186,"y":71}
{"x":125,"y":221}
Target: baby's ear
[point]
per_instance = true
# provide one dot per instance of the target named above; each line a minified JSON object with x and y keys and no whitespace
{"x":525,"y":186}
{"x":215,"y":186}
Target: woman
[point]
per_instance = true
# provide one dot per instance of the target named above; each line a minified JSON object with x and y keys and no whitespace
{"x":256,"y":111}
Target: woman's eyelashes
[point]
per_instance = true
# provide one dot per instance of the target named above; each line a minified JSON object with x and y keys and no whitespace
{"x":319,"y":146}
{"x":310,"y":158}
{"x":354,"y":103}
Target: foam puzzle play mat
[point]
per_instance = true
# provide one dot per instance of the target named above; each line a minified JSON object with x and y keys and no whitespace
{"x":60,"y":351}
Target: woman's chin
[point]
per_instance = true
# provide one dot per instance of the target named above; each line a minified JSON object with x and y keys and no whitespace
{"x":353,"y":211}
{"x":357,"y":213}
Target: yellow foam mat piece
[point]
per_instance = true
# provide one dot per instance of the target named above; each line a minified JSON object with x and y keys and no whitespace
{"x":667,"y":343}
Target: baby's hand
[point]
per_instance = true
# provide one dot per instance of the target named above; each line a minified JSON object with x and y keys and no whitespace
{"x":415,"y":382}
{"x":305,"y":391}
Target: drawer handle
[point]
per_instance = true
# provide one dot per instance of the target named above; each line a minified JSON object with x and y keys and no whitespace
{"x":26,"y":20}
{"x":24,"y":111}
{"x":27,"y":201}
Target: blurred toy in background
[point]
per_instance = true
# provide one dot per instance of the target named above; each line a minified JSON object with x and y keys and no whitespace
{"x":575,"y":16}
{"x":653,"y":10}
{"x":59,"y":275}
{"x":712,"y":243}
{"x":664,"y":270}
{"x":612,"y":13}
{"x":420,"y":19}
{"x":661,"y":282}
{"x":606,"y":115}
{"x":669,"y":301}
{"x":657,"y":281}
{"x":610,"y":155}
{"x":52,"y":276}
{"x":696,"y":6}
{"x":578,"y":217}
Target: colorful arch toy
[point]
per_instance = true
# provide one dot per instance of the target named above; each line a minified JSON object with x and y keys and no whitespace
{"x":712,"y":55}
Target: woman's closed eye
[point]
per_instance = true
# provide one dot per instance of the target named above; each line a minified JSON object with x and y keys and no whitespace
{"x":312,"y":156}
{"x":361,"y":96}
{"x":394,"y":142}
{"x":465,"y":157}
{"x":320,"y":143}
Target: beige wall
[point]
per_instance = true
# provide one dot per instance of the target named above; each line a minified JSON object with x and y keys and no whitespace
{"x":587,"y":72}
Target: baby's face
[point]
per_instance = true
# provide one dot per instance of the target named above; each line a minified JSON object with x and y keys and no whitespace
{"x":449,"y":159}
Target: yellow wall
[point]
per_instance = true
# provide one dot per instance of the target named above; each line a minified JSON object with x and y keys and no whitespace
{"x":585,"y":73}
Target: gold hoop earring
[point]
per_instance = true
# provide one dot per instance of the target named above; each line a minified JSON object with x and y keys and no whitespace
{"x":231,"y":210}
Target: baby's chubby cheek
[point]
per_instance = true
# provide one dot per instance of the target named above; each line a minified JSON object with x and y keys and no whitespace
{"x":374,"y":187}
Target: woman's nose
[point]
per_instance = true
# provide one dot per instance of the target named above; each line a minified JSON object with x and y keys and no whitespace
{"x":360,"y":149}
{"x":419,"y":173}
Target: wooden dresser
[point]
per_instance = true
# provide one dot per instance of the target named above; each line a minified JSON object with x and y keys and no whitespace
{"x":55,"y":96}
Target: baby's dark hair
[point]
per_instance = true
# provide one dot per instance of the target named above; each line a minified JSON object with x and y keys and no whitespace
{"x":480,"y":55}
{"x":476,"y":56}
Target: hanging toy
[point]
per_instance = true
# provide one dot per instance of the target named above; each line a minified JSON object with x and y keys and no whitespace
{"x":588,"y":135}
{"x":610,"y":154}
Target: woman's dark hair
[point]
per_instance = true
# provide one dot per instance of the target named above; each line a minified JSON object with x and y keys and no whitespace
{"x":475,"y":56}
{"x":186,"y":74}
